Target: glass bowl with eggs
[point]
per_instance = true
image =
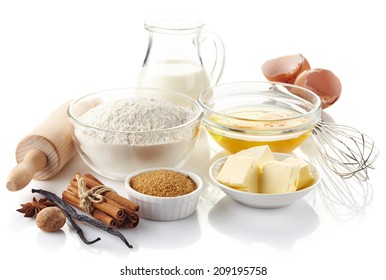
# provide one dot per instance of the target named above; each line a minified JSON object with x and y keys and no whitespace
{"x":242,"y":115}
{"x":119,"y":131}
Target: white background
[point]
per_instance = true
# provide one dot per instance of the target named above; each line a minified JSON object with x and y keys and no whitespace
{"x":51,"y":51}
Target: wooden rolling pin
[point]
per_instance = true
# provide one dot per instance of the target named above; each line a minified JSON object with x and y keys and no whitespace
{"x":42,"y":153}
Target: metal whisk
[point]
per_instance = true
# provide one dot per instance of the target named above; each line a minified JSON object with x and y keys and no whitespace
{"x":345,"y":150}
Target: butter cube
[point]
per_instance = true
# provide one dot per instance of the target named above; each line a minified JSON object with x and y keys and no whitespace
{"x":261,"y":154}
{"x":306,"y":178}
{"x":279,"y":177}
{"x":240,"y":173}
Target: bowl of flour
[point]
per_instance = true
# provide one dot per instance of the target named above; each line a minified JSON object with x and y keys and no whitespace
{"x":119,"y":131}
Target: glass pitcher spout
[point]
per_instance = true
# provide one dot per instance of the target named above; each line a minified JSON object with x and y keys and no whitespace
{"x":173,"y":58}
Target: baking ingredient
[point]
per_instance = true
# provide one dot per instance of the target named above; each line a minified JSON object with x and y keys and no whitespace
{"x":234,"y":143}
{"x":163,"y":183}
{"x":240,"y":172}
{"x":31,"y":209}
{"x":269,"y":121}
{"x":72,"y":198}
{"x":139,"y":143}
{"x":261,"y":154}
{"x":177,"y":75}
{"x":243,"y":169}
{"x":279,"y":177}
{"x":295,"y":69}
{"x":105,"y":204}
{"x":262,"y":117}
{"x":92,"y":182}
{"x":71,"y":214}
{"x":285,"y":69}
{"x":50,"y":219}
{"x":135,"y":115}
{"x":256,"y":170}
{"x":322,"y":82}
{"x":306,"y":178}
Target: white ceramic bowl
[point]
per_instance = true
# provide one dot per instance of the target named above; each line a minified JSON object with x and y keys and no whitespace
{"x":259,"y":200}
{"x":165,"y":208}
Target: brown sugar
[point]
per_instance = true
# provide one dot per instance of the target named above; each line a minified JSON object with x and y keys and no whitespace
{"x":163,"y":183}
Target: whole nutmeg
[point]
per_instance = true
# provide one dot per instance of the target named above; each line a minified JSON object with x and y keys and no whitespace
{"x":50,"y":219}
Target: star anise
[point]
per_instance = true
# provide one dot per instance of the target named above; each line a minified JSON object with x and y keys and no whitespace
{"x":31,"y":209}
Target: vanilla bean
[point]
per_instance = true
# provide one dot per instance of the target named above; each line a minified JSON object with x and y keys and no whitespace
{"x":73,"y":214}
{"x":79,"y":231}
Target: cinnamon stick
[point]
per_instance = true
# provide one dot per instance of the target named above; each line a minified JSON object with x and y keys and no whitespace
{"x":73,"y":187}
{"x":91,"y":182}
{"x":110,"y":200}
{"x":112,"y":210}
{"x":131,"y":219}
{"x":72,"y":199}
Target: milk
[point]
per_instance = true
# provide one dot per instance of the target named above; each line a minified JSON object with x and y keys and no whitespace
{"x":177,"y":75}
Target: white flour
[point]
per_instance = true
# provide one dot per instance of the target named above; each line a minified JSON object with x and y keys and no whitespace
{"x":137,"y":115}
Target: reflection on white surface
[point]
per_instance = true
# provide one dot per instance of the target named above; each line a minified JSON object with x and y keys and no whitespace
{"x":166,"y":235}
{"x":347,"y":200}
{"x":51,"y":241}
{"x":279,"y":228}
{"x":16,"y":227}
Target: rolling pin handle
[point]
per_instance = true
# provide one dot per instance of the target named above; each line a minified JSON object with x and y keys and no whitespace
{"x":19,"y":177}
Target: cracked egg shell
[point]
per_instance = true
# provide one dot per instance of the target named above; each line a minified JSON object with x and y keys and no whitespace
{"x":322,"y":82}
{"x":285,"y":69}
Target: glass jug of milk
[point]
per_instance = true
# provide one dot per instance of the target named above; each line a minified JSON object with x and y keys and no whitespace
{"x":173,"y":59}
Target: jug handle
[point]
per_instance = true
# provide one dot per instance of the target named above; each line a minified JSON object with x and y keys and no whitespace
{"x":218,"y":67}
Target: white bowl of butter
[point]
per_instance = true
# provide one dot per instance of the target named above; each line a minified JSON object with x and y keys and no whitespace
{"x":282,"y":193}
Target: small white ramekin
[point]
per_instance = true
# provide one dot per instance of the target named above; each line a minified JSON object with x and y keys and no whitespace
{"x":165,"y":208}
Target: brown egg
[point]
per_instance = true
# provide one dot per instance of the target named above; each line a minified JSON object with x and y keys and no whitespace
{"x":322,"y":82}
{"x":285,"y":69}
